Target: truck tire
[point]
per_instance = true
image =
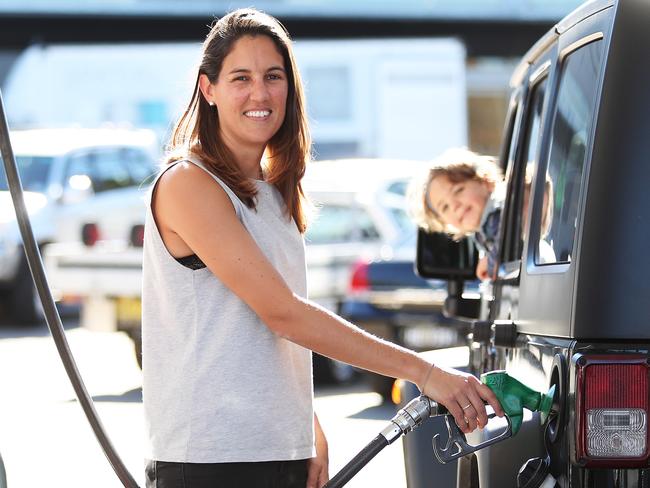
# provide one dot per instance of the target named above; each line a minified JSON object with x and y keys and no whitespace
{"x":380,"y":384}
{"x":331,"y":372}
{"x":136,"y":336}
{"x":24,"y":305}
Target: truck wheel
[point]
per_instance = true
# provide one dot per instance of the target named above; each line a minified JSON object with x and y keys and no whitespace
{"x":23,"y":302}
{"x":381,"y":384}
{"x":330,"y":371}
{"x":136,"y":337}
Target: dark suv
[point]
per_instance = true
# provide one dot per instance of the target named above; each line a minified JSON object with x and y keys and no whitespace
{"x":570,"y":306}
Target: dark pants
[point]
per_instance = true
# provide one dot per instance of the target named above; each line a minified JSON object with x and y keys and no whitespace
{"x":272,"y":474}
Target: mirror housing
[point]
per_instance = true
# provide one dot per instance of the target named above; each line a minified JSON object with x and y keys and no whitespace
{"x":458,"y":306}
{"x":440,"y":257}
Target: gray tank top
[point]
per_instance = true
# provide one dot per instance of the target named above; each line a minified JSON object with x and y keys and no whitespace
{"x":218,"y":385}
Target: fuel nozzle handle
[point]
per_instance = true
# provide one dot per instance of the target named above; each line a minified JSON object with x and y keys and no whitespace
{"x":514,"y":396}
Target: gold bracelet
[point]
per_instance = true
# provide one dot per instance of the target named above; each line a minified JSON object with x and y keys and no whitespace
{"x":426,"y":378}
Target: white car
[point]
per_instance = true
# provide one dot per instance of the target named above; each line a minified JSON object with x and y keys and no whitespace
{"x":361,"y":216}
{"x":71,"y":177}
{"x":360,"y":213}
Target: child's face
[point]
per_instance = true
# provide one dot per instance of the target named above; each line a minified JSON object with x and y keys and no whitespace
{"x":459,"y":204}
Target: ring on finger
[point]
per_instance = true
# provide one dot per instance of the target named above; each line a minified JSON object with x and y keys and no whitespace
{"x":467,"y":406}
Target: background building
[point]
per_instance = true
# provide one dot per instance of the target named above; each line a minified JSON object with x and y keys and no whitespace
{"x":493,"y":33}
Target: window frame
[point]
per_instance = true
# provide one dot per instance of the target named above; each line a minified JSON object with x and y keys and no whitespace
{"x":509,"y":270}
{"x":542,"y":166}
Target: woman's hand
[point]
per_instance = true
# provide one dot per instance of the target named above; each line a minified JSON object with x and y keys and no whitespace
{"x":318,"y":467}
{"x":463,"y":395}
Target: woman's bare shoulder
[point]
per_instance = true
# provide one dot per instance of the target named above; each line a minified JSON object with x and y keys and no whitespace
{"x":185,"y":185}
{"x":183,"y":173}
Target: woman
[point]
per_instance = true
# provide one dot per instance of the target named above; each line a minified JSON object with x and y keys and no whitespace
{"x":227,"y":330}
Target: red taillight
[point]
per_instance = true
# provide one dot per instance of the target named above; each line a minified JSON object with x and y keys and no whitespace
{"x":137,"y":235}
{"x":89,"y":234}
{"x":359,"y":280}
{"x":612,"y":407}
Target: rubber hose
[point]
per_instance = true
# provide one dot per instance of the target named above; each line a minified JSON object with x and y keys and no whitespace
{"x":358,"y":462}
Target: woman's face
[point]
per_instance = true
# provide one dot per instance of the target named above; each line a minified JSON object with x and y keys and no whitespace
{"x":250,"y":93}
{"x":459,"y":204}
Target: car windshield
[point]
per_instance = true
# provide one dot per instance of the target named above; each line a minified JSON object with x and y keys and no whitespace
{"x":33,"y":172}
{"x":339,"y":223}
{"x":401,"y":218}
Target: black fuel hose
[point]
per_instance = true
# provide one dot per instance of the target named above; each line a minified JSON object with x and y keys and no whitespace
{"x":408,"y":418}
{"x":3,"y":474}
{"x":359,"y":461}
{"x":51,"y":314}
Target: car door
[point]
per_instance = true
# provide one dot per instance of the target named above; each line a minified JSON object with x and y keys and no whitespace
{"x":540,"y":250}
{"x":523,"y":154}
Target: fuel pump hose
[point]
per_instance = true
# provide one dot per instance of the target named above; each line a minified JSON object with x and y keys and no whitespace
{"x":408,"y":418}
{"x":51,"y":315}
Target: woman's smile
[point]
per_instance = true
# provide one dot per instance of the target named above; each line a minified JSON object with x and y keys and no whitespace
{"x":258,"y":114}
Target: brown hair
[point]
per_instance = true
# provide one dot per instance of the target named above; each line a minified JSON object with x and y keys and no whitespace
{"x":457,"y":165}
{"x":197,"y":130}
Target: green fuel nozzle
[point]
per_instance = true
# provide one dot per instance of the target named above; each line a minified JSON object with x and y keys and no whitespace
{"x":514,"y":396}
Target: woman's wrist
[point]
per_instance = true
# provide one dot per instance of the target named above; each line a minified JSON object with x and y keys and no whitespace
{"x":427,"y":377}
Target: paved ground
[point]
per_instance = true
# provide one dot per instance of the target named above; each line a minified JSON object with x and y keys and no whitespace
{"x":45,"y":440}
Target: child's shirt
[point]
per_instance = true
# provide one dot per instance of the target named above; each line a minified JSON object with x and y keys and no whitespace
{"x":487,"y":236}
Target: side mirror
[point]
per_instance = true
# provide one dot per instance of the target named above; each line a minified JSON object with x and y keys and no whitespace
{"x":440,"y":257}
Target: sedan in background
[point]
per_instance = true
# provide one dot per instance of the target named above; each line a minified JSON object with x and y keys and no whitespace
{"x":388,"y":299}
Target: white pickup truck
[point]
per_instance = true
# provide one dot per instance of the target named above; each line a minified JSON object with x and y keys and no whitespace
{"x":360,"y":215}
{"x":106,"y":278}
{"x":75,"y":181}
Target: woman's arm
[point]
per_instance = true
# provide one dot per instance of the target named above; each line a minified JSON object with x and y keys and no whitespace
{"x":190,"y":207}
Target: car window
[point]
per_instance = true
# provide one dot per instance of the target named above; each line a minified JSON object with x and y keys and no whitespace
{"x":530,"y":151}
{"x":513,"y":249}
{"x":140,"y":165}
{"x":34,"y":173}
{"x":571,"y":127}
{"x":401,"y":218}
{"x":111,"y":168}
{"x":509,"y":143}
{"x":398,"y":188}
{"x":339,"y":223}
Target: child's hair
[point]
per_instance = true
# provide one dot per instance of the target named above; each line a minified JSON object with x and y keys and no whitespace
{"x":457,"y":165}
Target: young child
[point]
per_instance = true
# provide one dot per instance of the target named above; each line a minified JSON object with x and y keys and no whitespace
{"x":462,"y":194}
